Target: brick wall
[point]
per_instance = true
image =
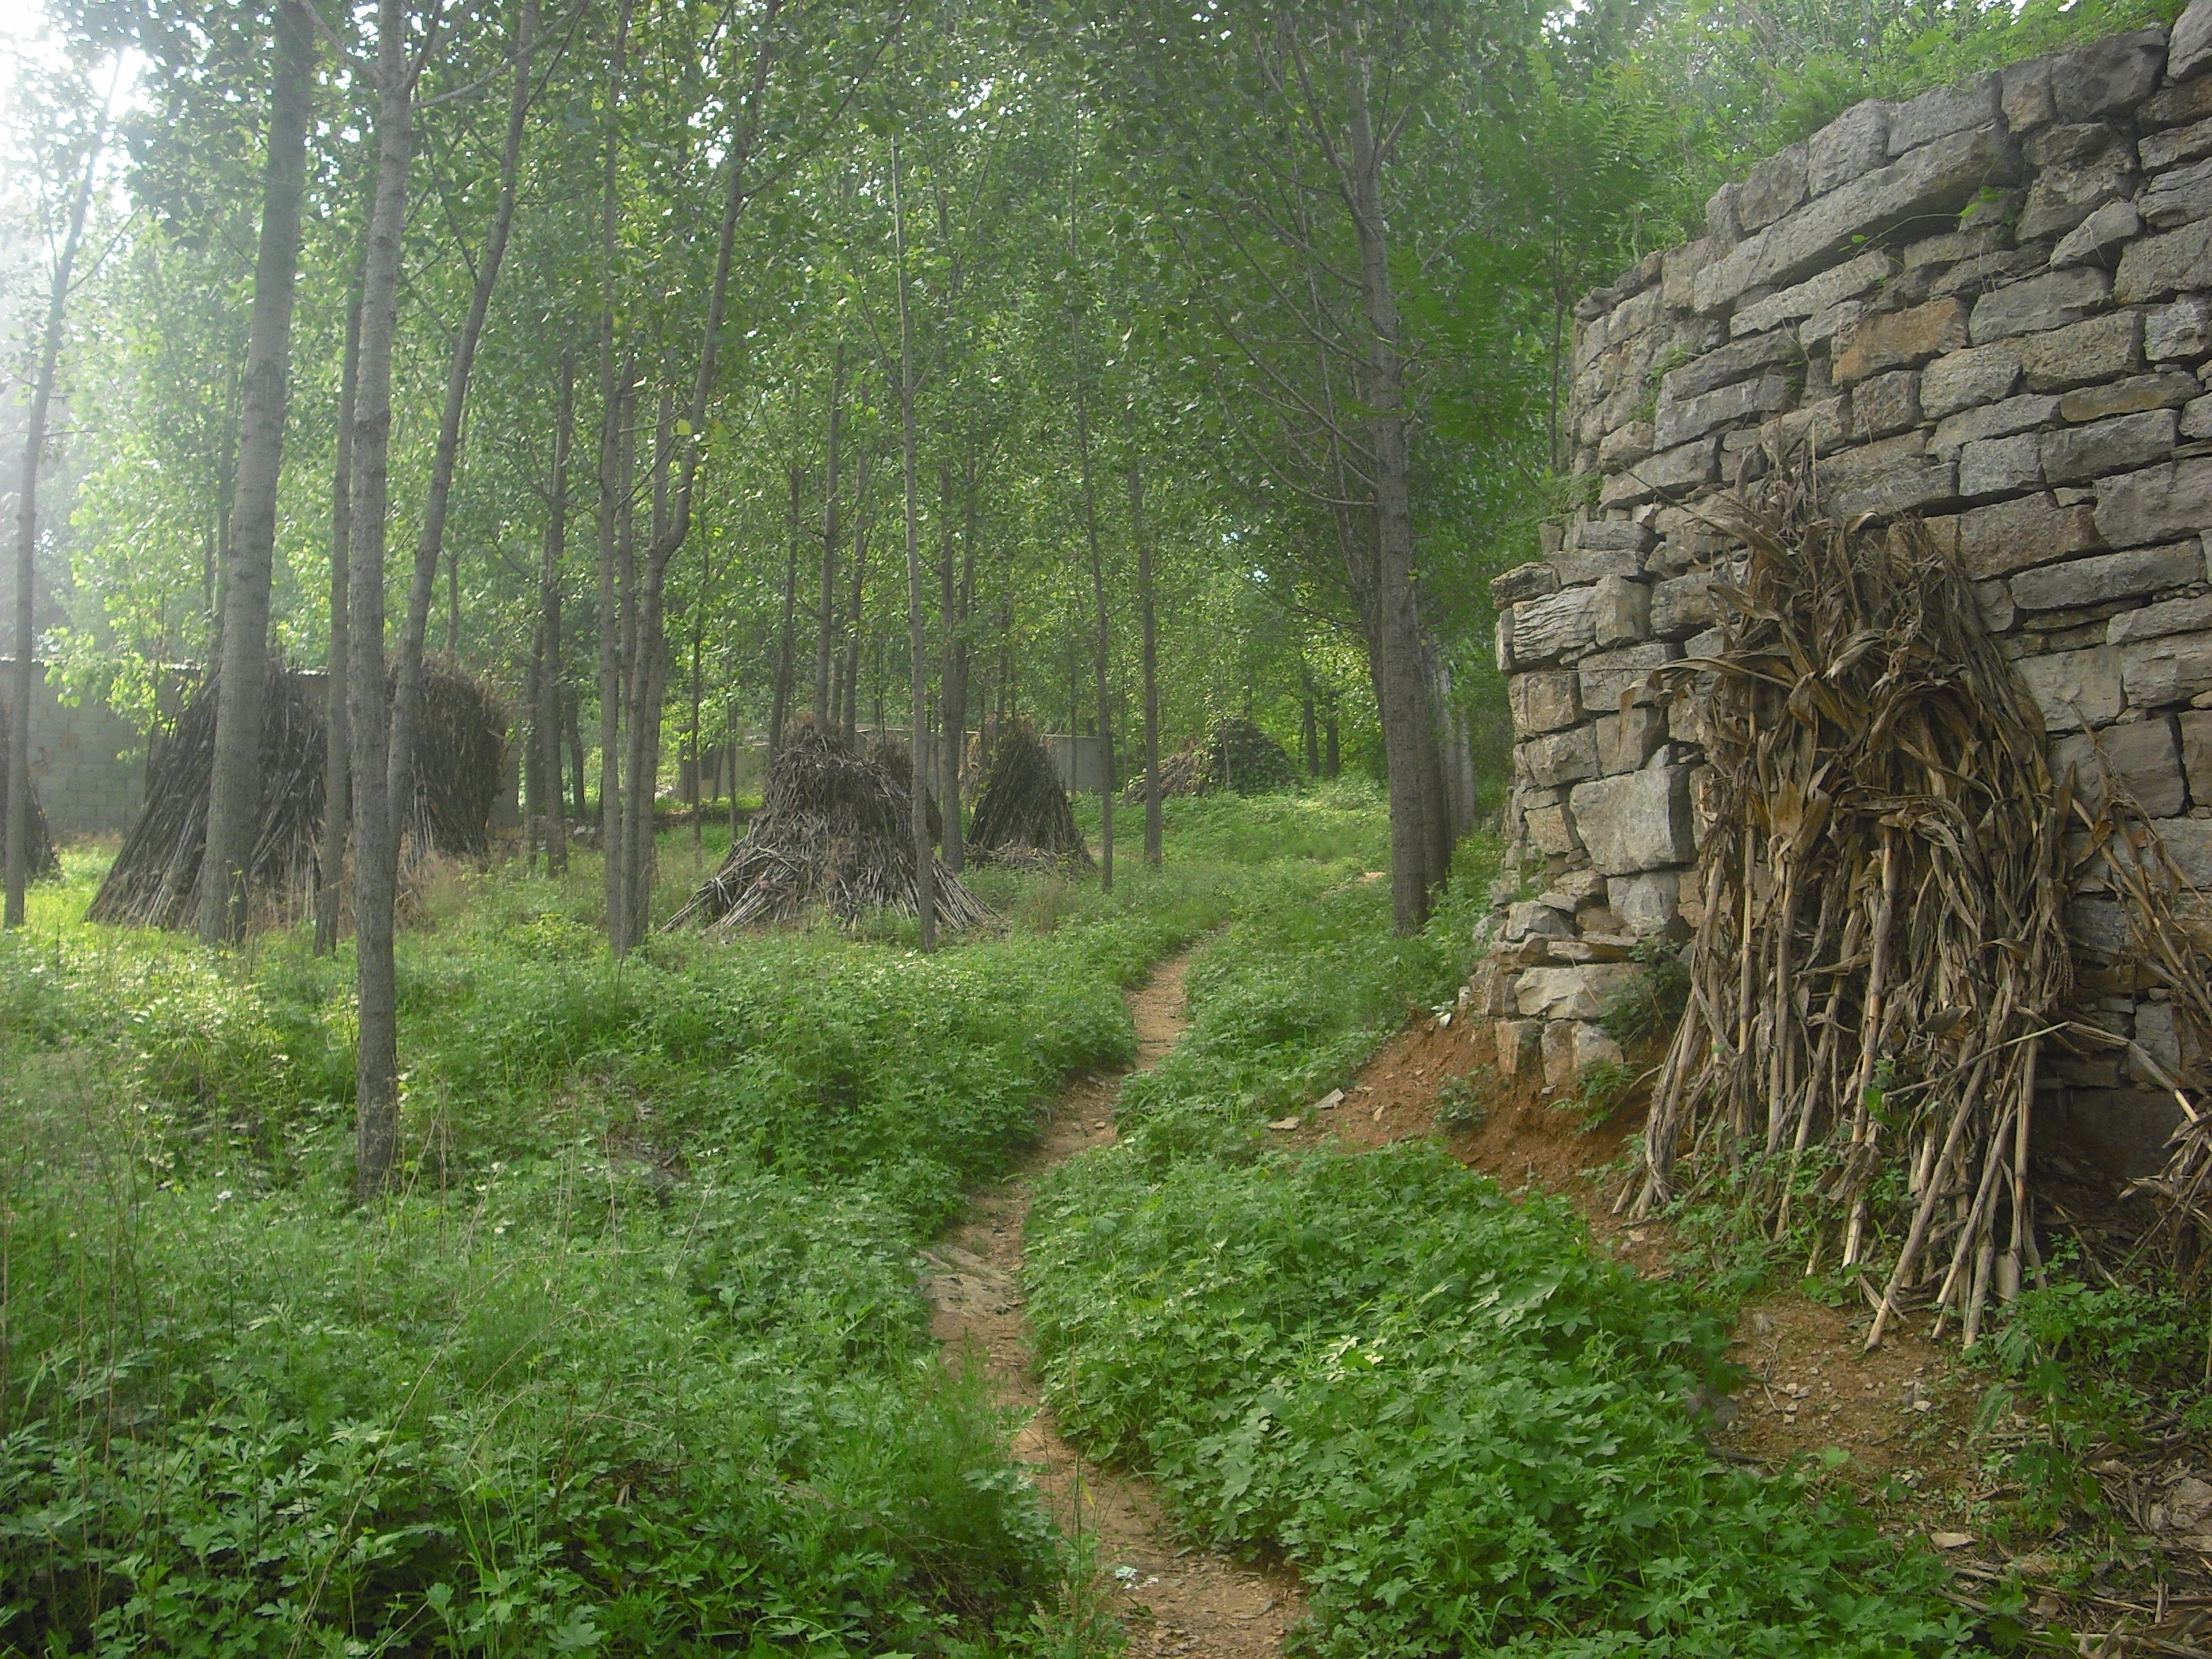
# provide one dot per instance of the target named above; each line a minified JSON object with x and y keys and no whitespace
{"x":85,"y":788}
{"x":1990,"y":305}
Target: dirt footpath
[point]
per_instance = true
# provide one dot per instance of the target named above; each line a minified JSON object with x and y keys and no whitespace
{"x":1175,"y":1598}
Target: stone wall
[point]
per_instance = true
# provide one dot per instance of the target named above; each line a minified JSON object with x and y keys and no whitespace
{"x":1990,"y":305}
{"x":75,"y":769}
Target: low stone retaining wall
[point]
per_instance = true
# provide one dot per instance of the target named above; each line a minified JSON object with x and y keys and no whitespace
{"x":1991,"y":305}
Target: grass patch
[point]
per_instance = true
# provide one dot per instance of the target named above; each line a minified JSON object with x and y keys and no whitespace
{"x":1466,"y":1428}
{"x":637,"y":1362}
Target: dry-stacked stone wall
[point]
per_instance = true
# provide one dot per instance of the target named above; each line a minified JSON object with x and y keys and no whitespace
{"x":1990,"y":305}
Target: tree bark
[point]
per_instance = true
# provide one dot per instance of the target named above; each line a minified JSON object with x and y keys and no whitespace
{"x":547,"y":718}
{"x":337,"y":783}
{"x":376,"y":1075}
{"x":235,"y":788}
{"x":613,"y":399}
{"x":847,"y":699}
{"x":825,"y":616}
{"x":951,"y":695}
{"x":647,"y":654}
{"x":1153,"y":845}
{"x":407,"y":693}
{"x":26,"y":548}
{"x":925,"y":857}
{"x":1406,"y":737}
{"x":533,"y":756}
{"x":1098,"y":598}
{"x":779,"y":707}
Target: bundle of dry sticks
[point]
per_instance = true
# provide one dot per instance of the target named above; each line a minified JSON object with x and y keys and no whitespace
{"x":1881,"y":952}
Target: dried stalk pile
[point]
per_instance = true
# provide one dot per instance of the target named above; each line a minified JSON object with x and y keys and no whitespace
{"x":154,"y":879}
{"x":1882,"y":946}
{"x":1239,"y":756}
{"x":2169,"y":930}
{"x":834,"y":832}
{"x":1022,"y":815}
{"x":1245,"y":759}
{"x":897,"y":759}
{"x":459,"y":746}
{"x":44,"y":864}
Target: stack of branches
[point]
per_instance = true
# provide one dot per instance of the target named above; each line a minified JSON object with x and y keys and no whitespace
{"x":460,"y":745}
{"x":2170,"y":938}
{"x":897,"y":759}
{"x":1022,"y":815}
{"x":1882,"y":948}
{"x":154,"y":880}
{"x":1245,"y":759}
{"x":1188,"y":771}
{"x":43,"y":864}
{"x":834,"y":833}
{"x":1239,"y":756}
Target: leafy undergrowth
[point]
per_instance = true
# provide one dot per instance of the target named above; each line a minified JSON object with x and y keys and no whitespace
{"x":636,"y":1363}
{"x":1466,"y":1429}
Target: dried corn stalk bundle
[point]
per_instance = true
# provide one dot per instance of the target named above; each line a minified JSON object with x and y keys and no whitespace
{"x":154,"y":879}
{"x":461,"y":743}
{"x":1882,"y":948}
{"x":2170,"y":930}
{"x":1022,"y":815}
{"x":834,"y":832}
{"x":44,"y":863}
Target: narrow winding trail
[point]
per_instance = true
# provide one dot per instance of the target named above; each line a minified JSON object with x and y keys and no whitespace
{"x":1183,"y":1600}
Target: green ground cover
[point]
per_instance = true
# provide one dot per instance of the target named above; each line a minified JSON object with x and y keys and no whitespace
{"x":1467,"y":1430}
{"x":637,"y":1362}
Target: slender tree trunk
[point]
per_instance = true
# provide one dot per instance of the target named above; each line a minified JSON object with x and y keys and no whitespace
{"x":1406,"y":736}
{"x":672,"y":514}
{"x":547,"y":719}
{"x":1151,"y":659}
{"x":780,"y":708}
{"x":337,"y":783}
{"x":571,"y":720}
{"x":825,"y":616}
{"x":925,"y":857}
{"x":1310,"y":729}
{"x":26,"y":548}
{"x":1098,"y":600}
{"x":950,"y":694}
{"x":376,"y":1078}
{"x":613,"y":401}
{"x":1331,"y":760}
{"x":445,"y":461}
{"x":235,"y":788}
{"x":533,"y":756}
{"x":847,"y":691}
{"x":642,"y":654}
{"x":698,"y":759}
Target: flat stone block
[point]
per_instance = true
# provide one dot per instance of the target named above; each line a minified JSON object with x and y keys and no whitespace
{"x":2039,"y":304}
{"x":1894,"y":339}
{"x":1544,"y":700}
{"x":2132,"y":396}
{"x":1638,"y":821}
{"x":1609,"y":676}
{"x":2192,"y":615}
{"x":2165,"y":671}
{"x":2076,"y":455}
{"x":2158,"y":503}
{"x":2195,"y":724}
{"x":2000,"y":466}
{"x":1944,"y":111}
{"x":2158,"y":265}
{"x":2106,"y":77}
{"x":2144,"y":756}
{"x":1965,"y":379}
{"x":2023,"y":413}
{"x":2075,"y":689}
{"x":2104,"y":577}
{"x":2102,"y":348}
{"x":1543,"y":628}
